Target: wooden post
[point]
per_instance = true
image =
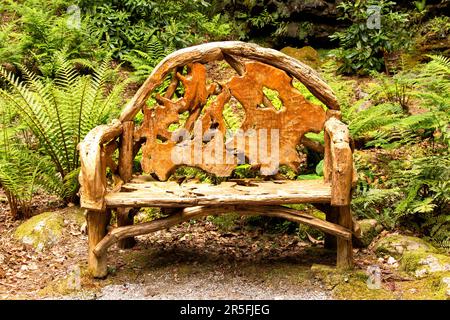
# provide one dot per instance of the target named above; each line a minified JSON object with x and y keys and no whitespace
{"x":344,"y":247}
{"x":97,"y":221}
{"x":126,"y":151}
{"x":124,"y":218}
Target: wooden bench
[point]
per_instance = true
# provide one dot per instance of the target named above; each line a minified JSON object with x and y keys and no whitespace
{"x":185,"y":126}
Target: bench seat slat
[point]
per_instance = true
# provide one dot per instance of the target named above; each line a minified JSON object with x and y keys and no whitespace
{"x":141,"y":193}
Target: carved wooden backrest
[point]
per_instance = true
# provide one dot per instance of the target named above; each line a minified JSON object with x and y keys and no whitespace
{"x":267,"y":137}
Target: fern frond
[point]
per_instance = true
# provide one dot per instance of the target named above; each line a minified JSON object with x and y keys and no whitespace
{"x":61,"y":112}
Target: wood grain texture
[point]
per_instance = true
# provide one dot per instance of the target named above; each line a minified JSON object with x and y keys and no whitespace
{"x":215,"y":51}
{"x":97,"y":223}
{"x":126,"y":151}
{"x":296,"y":117}
{"x":92,"y":175}
{"x":171,"y":194}
{"x":262,"y":123}
{"x":338,"y":164}
{"x":344,"y":246}
{"x":125,"y":218}
{"x":199,"y":211}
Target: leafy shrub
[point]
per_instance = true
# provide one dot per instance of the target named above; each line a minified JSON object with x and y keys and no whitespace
{"x":362,"y":49}
{"x":60,"y":112}
{"x":124,"y":26}
{"x":414,"y":190}
{"x":267,"y":21}
{"x":434,"y":34}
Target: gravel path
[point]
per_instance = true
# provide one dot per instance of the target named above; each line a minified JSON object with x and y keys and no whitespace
{"x":209,"y":286}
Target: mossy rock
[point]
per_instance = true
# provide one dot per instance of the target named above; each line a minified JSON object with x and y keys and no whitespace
{"x":423,"y":263}
{"x":370,"y":228}
{"x":73,"y":215}
{"x":41,"y":231}
{"x":396,"y":245}
{"x":307,"y":55}
{"x":44,"y":230}
{"x":348,"y":284}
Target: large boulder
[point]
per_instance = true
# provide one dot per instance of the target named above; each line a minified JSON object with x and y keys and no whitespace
{"x":45,"y":230}
{"x":396,"y":245}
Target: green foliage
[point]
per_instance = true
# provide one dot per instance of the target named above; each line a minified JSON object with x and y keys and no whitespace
{"x":429,"y":86}
{"x":243,"y":171}
{"x":226,"y":222}
{"x":36,"y":30}
{"x":273,"y":19}
{"x":363,"y":49}
{"x":143,"y":62}
{"x":124,"y":26}
{"x":414,"y":190}
{"x":60,"y":112}
{"x":193,"y":173}
{"x":433,"y":34}
{"x":425,"y":182}
{"x":22,"y":173}
{"x":365,"y":122}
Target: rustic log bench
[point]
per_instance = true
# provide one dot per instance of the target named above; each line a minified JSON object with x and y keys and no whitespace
{"x":177,"y":119}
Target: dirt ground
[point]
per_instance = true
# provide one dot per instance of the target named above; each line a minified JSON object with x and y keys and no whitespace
{"x":195,"y":260}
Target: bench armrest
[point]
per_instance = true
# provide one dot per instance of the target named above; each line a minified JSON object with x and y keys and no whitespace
{"x":338,"y":162}
{"x":92,"y":176}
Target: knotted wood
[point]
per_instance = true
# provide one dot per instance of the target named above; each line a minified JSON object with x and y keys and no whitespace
{"x":171,"y":194}
{"x":338,"y":162}
{"x":278,"y":132}
{"x":216,"y":51}
{"x":201,"y":139}
{"x":93,"y":160}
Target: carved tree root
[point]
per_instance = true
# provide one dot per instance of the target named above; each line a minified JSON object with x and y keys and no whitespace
{"x":195,"y":212}
{"x":226,"y":50}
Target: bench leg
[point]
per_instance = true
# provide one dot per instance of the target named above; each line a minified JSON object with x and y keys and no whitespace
{"x":125,"y":218}
{"x":97,"y":223}
{"x":344,"y":247}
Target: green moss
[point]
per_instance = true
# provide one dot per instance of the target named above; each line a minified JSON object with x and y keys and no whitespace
{"x":424,"y":262}
{"x":147,"y":215}
{"x":370,"y":228}
{"x":349,"y":284}
{"x":307,"y":55}
{"x":356,"y":289}
{"x":60,"y":287}
{"x":396,"y":245}
{"x":41,"y":231}
{"x":296,"y":274}
{"x":429,"y":288}
{"x":75,"y":214}
{"x":225,"y":222}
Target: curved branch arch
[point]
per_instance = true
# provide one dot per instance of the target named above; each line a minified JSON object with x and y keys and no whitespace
{"x":227,"y":50}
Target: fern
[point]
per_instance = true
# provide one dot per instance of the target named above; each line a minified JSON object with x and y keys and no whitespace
{"x":23,"y":171}
{"x":60,"y":112}
{"x":144,"y":62}
{"x":365,"y":122}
